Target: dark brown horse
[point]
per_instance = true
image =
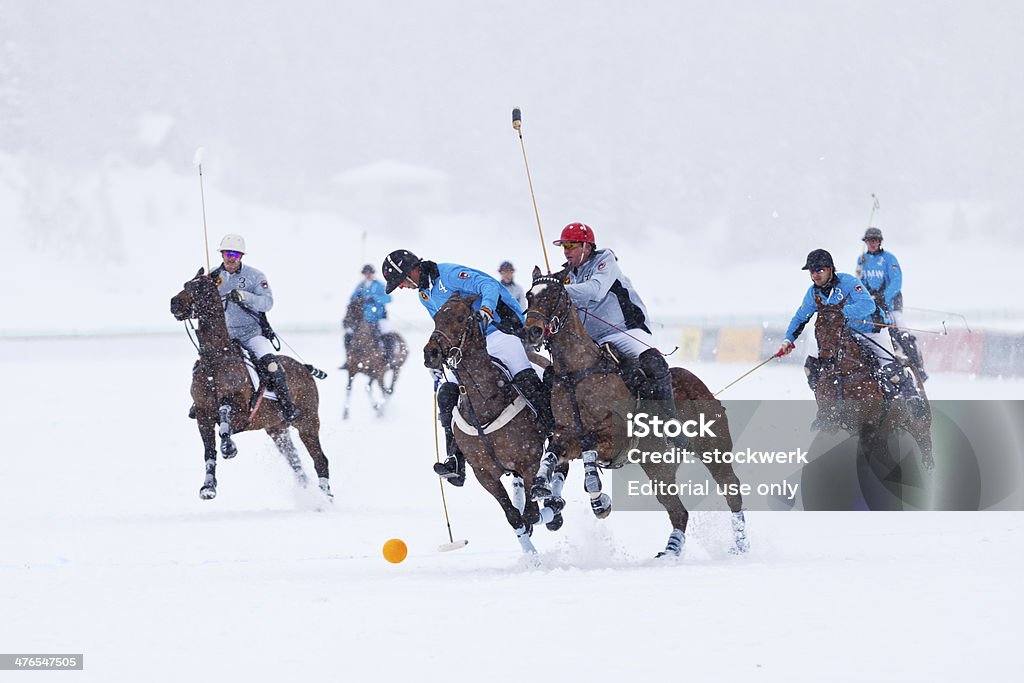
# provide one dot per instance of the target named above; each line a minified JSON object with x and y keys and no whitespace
{"x":849,"y":396}
{"x":365,"y":355}
{"x":494,"y":427}
{"x":224,"y":395}
{"x":584,"y":396}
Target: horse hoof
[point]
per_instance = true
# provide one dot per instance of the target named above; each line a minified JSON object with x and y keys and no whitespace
{"x":228,"y":449}
{"x":555,"y":503}
{"x":207,"y":493}
{"x":540,"y":490}
{"x":556,"y":522}
{"x":325,"y":487}
{"x":601,"y":505}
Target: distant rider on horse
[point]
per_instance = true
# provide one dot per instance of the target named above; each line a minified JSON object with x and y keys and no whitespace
{"x":248,"y":297}
{"x":374,"y":299}
{"x":860,"y":311}
{"x":501,"y":317}
{"x":880,"y":272}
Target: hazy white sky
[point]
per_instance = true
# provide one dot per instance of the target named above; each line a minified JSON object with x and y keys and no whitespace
{"x":678,"y":114}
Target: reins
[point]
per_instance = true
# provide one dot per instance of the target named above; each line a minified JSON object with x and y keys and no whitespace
{"x":452,"y":361}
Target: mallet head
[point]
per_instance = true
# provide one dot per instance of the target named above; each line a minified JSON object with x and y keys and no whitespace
{"x":517,"y":118}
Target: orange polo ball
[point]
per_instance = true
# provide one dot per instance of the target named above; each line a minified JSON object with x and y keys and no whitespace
{"x":395,"y":550}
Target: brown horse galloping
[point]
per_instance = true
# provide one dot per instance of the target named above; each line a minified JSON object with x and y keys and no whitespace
{"x":849,"y":396}
{"x":583,"y":400}
{"x":366,"y":356}
{"x":223,"y":393}
{"x":494,"y":427}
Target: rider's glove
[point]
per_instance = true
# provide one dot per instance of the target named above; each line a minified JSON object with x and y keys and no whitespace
{"x":237,"y":295}
{"x":485,"y":316}
{"x":785,"y":348}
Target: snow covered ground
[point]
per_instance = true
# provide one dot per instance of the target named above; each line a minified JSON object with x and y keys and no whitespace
{"x":107,"y":550}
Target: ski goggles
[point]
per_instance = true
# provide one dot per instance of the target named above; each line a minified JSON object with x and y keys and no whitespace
{"x":232,"y":254}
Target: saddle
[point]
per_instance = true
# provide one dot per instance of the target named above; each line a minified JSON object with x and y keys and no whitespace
{"x":258,"y":374}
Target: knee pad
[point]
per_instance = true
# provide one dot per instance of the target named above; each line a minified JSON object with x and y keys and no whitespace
{"x":269,"y":361}
{"x":653,"y":364}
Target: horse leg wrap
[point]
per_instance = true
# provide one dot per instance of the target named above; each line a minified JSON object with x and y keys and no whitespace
{"x":541,"y":487}
{"x":674,"y":547}
{"x":225,"y":421}
{"x":601,"y":505}
{"x":325,"y":486}
{"x":523,"y":535}
{"x":739,"y":532}
{"x":591,"y":477}
{"x":555,"y":500}
{"x":519,"y":494}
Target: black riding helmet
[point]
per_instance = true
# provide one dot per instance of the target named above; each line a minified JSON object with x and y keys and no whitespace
{"x":397,"y":266}
{"x":819,"y":258}
{"x":872,"y":234}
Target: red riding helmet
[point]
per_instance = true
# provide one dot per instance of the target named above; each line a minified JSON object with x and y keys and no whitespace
{"x":576,"y":232}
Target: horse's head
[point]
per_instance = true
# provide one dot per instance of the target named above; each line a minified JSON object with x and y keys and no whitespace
{"x":454,"y":326}
{"x":549,"y":306}
{"x":354,"y":314}
{"x":829,"y":328}
{"x":199,"y":296}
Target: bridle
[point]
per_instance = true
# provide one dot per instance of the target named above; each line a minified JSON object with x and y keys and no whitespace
{"x":554,"y":323}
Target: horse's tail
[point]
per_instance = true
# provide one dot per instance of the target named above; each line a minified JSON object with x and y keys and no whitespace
{"x":316,"y":372}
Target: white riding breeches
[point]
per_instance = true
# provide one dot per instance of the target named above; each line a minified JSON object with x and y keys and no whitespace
{"x":259,"y":345}
{"x":509,"y":350}
{"x":631,"y":342}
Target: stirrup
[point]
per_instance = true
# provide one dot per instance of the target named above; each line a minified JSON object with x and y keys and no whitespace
{"x":451,"y":471}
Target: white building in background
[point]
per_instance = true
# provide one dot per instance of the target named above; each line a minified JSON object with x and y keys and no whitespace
{"x":390,"y":194}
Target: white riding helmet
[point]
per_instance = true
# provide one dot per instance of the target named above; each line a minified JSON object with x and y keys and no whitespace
{"x":233,"y":242}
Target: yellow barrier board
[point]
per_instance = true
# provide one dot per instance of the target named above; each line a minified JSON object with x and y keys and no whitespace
{"x":689,"y":344}
{"x":739,"y":344}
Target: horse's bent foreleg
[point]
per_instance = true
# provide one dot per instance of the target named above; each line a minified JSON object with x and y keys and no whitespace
{"x":600,"y":503}
{"x":661,"y":475}
{"x":515,"y":519}
{"x":206,"y":431}
{"x":227,"y":446}
{"x":555,"y":502}
{"x":725,"y":477}
{"x":283,"y":441}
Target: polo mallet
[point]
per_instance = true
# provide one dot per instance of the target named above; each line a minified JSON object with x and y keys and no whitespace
{"x":871,"y":221}
{"x":197,"y":161}
{"x":929,"y":310}
{"x":452,"y":544}
{"x":517,"y":122}
{"x":756,"y":367}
